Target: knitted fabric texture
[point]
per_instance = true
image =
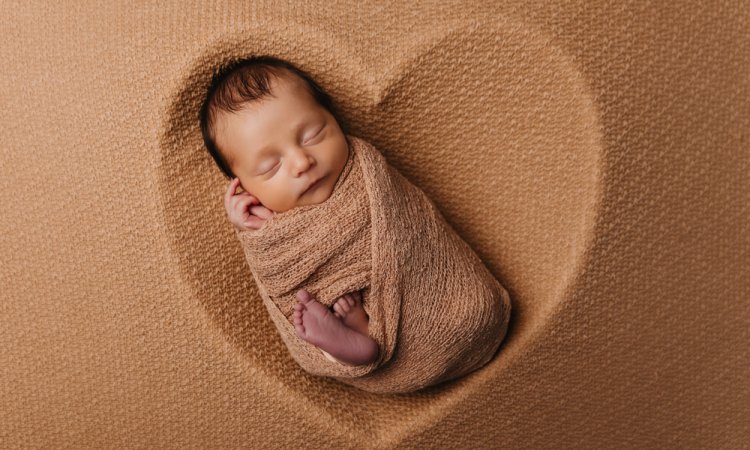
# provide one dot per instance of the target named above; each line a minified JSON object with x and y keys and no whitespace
{"x":435,"y":310}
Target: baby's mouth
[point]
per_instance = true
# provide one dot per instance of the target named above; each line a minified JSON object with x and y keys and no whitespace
{"x":314,"y":185}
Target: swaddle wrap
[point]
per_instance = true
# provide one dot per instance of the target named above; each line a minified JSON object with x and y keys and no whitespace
{"x":435,"y":310}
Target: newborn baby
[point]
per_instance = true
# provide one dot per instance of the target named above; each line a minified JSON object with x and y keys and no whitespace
{"x":401,"y":301}
{"x":287,"y":151}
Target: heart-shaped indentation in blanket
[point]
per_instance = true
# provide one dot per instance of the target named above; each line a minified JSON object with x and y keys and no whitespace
{"x":493,"y":122}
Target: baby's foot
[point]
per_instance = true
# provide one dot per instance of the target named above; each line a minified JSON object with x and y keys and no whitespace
{"x":316,"y":324}
{"x":349,"y":309}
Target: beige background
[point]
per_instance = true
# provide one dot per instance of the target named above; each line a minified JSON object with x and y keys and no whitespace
{"x":595,"y":155}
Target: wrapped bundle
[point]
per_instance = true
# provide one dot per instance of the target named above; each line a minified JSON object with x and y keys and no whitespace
{"x":435,"y":310}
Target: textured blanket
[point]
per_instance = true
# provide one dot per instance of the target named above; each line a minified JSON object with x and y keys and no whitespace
{"x":435,"y":310}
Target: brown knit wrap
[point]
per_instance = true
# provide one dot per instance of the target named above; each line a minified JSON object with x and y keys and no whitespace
{"x":436,"y":312}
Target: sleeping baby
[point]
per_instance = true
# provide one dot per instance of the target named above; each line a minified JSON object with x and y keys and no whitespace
{"x":345,"y":251}
{"x":289,"y":151}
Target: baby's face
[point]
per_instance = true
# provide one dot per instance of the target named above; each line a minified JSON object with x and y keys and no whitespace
{"x":280,"y":145}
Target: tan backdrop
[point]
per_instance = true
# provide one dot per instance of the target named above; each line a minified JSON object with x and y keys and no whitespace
{"x":594,"y":154}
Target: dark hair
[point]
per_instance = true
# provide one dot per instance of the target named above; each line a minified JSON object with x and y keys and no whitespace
{"x":247,"y":80}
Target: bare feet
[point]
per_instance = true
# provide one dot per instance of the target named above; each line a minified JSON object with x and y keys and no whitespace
{"x":349,"y":309}
{"x":316,"y":324}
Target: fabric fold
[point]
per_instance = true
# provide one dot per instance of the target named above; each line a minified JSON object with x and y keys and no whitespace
{"x":435,"y":310}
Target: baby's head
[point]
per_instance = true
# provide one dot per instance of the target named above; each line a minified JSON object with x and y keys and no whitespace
{"x":269,"y":123}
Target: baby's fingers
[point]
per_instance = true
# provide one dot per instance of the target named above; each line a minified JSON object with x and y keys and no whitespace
{"x":261,"y":211}
{"x":243,"y":202}
{"x":231,"y":189}
{"x":254,"y":222}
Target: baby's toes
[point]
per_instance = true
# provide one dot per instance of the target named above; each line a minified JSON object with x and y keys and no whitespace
{"x":346,"y":303}
{"x":299,"y":328}
{"x":338,"y":308}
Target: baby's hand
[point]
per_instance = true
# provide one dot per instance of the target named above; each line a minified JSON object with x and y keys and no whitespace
{"x":240,"y":213}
